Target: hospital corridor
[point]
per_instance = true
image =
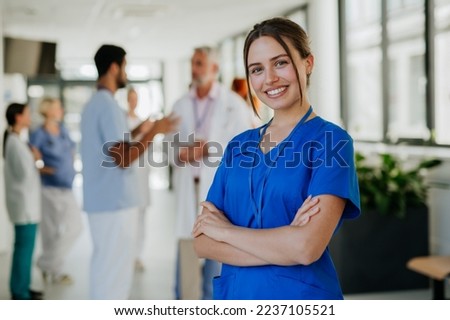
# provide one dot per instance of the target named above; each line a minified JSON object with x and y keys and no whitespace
{"x":224,"y":150}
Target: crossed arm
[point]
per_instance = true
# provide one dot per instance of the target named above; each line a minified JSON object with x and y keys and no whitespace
{"x":302,"y":242}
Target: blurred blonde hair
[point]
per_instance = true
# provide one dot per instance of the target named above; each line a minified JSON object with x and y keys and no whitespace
{"x":46,"y":104}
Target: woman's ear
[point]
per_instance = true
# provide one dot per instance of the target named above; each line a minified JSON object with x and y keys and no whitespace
{"x":309,"y":64}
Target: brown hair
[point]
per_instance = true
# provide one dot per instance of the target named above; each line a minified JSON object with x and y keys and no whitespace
{"x":241,"y":87}
{"x":280,"y":29}
{"x":11,"y":112}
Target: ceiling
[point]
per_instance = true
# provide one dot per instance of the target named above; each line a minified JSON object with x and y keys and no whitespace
{"x":147,"y":29}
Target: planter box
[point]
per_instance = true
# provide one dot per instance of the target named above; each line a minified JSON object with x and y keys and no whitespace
{"x":370,"y":253}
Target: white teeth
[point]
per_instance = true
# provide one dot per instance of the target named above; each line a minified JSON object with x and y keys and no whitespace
{"x":276,"y":91}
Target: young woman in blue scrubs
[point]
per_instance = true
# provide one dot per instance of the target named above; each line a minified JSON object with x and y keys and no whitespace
{"x":253,"y":220}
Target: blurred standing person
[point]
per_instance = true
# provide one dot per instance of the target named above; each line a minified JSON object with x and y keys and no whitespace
{"x":209,"y":113}
{"x":108,"y":178}
{"x":61,"y":215}
{"x":23,"y":199}
{"x":138,"y":127}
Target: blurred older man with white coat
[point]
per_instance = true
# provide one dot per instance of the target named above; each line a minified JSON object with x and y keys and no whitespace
{"x":211,"y":115}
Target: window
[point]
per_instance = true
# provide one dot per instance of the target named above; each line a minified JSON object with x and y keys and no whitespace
{"x":364,"y":68}
{"x":405,"y":29}
{"x":396,"y":61}
{"x":441,"y":71}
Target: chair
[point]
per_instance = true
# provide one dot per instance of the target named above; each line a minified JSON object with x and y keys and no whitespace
{"x":437,"y":268}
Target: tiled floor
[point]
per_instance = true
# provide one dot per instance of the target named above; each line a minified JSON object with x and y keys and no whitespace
{"x":157,"y":281}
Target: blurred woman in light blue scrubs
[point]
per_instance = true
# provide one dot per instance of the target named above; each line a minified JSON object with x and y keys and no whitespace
{"x":61,"y":215}
{"x":283,"y":189}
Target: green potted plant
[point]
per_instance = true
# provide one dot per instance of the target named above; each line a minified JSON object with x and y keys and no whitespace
{"x":389,"y":187}
{"x":370,"y":253}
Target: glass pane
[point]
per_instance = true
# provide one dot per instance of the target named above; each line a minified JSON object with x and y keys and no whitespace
{"x":75,"y":97}
{"x":393,"y":5}
{"x":442,"y":14}
{"x":364,"y":92}
{"x":398,"y":6}
{"x":407,"y":79}
{"x":409,"y":24}
{"x":362,"y":12}
{"x":364,"y":95}
{"x":442,"y":87}
{"x":150,"y":99}
{"x":407,"y":91}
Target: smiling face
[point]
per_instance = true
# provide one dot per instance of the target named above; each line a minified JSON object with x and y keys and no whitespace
{"x":273,"y":75}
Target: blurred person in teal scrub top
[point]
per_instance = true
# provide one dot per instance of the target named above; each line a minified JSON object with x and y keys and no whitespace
{"x":260,"y":217}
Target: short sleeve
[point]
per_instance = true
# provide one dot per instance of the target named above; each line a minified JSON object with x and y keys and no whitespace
{"x":333,"y":170}
{"x":37,"y":138}
{"x":68,"y":138}
{"x":113,"y":125}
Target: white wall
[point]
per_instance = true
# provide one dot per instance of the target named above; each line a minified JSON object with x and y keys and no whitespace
{"x":177,"y":75}
{"x":5,"y":228}
{"x":12,"y":87}
{"x":323,"y":28}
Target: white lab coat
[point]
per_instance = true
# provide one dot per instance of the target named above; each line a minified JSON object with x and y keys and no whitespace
{"x":229,"y":118}
{"x":22,"y":182}
{"x":142,"y":169}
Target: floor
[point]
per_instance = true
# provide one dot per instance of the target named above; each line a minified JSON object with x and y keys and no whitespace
{"x":157,"y":280}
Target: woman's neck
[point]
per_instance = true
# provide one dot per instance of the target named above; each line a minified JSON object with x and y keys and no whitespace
{"x":51,"y":126}
{"x":290,"y":117}
{"x":17,"y":129}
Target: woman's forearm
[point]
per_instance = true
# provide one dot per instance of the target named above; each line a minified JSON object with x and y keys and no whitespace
{"x":290,"y":245}
{"x":206,"y":247}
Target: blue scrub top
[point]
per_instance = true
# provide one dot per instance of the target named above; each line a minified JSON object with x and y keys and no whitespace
{"x":57,"y":152}
{"x":257,"y":190}
{"x":106,"y":186}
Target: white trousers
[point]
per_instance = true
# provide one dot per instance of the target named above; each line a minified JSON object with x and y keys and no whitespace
{"x":60,"y":226}
{"x":114,"y":250}
{"x":140,"y":233}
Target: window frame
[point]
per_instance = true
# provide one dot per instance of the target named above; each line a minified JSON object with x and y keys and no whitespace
{"x":429,"y":56}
